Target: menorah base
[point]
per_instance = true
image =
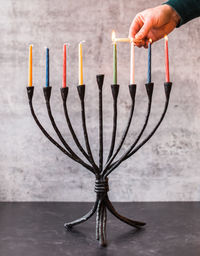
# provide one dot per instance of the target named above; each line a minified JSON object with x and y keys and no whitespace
{"x":100,"y":207}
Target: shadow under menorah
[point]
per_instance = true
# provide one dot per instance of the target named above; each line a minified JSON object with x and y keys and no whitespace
{"x":103,"y":168}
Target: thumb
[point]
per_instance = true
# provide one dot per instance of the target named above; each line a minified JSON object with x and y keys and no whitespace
{"x":144,"y":30}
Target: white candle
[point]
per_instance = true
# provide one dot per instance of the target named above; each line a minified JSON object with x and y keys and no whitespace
{"x":123,"y":40}
{"x":80,"y":64}
{"x":132,"y":63}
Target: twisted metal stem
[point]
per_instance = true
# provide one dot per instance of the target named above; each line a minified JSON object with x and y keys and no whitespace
{"x":101,"y":218}
{"x":98,"y":217}
{"x":101,"y":205}
{"x":102,"y":230}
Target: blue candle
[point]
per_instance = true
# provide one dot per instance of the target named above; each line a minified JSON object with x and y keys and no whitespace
{"x":149,"y":62}
{"x":47,"y":67}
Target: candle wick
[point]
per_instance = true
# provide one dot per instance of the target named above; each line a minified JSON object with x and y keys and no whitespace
{"x":83,"y":41}
{"x":67,"y":43}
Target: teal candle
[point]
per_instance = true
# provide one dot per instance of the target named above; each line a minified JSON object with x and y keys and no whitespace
{"x":47,"y":67}
{"x":114,"y":63}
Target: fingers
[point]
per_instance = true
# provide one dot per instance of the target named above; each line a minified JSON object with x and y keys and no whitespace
{"x":140,"y":27}
{"x":142,"y":34}
{"x":136,"y":25}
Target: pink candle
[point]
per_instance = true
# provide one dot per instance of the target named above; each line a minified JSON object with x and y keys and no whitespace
{"x":166,"y":60}
{"x":64,"y":66}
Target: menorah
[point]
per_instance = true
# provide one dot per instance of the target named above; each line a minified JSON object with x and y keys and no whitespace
{"x":104,"y":168}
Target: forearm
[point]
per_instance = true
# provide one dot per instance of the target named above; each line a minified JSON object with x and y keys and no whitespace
{"x":187,"y":9}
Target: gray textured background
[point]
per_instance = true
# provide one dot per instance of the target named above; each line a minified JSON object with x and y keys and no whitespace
{"x":31,"y":168}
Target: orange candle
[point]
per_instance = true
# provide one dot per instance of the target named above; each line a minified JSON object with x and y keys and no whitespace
{"x":166,"y":60}
{"x":64,"y":66}
{"x":30,"y":66}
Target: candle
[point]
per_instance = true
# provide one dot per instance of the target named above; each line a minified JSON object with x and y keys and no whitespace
{"x":132,"y":63}
{"x":114,"y":58}
{"x":80,"y":64}
{"x":166,"y":60}
{"x":64,"y":66}
{"x":123,"y":40}
{"x":30,"y":66}
{"x":47,"y":67}
{"x":149,"y":61}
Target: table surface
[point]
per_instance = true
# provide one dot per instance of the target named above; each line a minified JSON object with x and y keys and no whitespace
{"x":36,"y":229}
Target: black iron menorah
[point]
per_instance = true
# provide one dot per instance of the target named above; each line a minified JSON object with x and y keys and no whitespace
{"x":103,"y":168}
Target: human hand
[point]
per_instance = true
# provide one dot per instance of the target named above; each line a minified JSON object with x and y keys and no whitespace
{"x":153,"y":23}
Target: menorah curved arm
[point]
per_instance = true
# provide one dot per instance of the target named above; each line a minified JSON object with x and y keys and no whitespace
{"x":30,"y":91}
{"x":149,"y":89}
{"x":115,"y":92}
{"x":167,"y":87}
{"x":64,"y":94}
{"x":81,"y":92}
{"x":132,"y":90}
{"x":47,"y":93}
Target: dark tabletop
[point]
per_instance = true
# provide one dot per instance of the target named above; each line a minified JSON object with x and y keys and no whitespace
{"x":36,"y":229}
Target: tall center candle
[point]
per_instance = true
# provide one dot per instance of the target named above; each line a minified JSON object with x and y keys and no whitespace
{"x":132,"y":63}
{"x":47,"y":67}
{"x":114,"y":58}
{"x":149,"y":62}
{"x":64,"y":66}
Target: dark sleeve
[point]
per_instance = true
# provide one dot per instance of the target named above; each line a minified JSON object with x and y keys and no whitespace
{"x":187,"y":9}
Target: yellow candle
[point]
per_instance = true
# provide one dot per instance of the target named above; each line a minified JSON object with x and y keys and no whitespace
{"x":30,"y":66}
{"x":80,"y":64}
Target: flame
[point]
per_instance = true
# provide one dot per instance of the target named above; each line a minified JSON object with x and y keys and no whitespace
{"x":166,"y":37}
{"x":113,"y":36}
{"x":150,"y":40}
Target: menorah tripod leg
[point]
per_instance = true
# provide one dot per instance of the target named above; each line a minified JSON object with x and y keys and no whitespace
{"x":133,"y":223}
{"x":87,"y":216}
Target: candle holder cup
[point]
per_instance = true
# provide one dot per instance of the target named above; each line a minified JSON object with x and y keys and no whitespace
{"x":102,"y":169}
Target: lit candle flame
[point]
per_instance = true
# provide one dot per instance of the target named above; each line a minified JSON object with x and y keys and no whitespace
{"x":150,"y":40}
{"x":166,"y":37}
{"x":113,"y":36}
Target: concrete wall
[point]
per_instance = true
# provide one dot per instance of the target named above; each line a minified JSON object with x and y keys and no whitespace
{"x":31,"y":168}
